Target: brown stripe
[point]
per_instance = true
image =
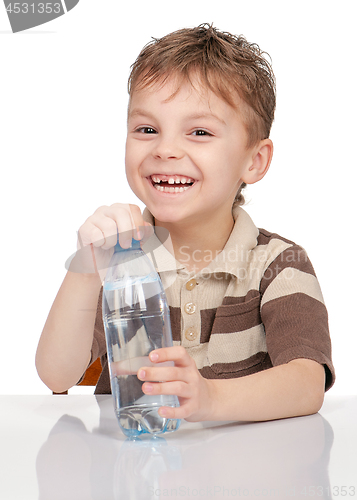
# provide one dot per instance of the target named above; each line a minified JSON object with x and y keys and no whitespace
{"x":175,"y":317}
{"x":208,"y":316}
{"x":103,"y":384}
{"x":238,"y":300}
{"x":296,"y":326}
{"x":237,"y":317}
{"x":294,"y":257}
{"x":256,"y":363}
{"x":99,"y":347}
{"x":207,"y":320}
{"x":295,"y":319}
{"x":265,"y":237}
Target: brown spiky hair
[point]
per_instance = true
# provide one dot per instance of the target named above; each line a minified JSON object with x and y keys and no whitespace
{"x":235,"y":70}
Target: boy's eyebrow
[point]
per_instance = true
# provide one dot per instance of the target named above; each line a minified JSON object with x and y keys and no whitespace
{"x":195,"y":116}
{"x":198,"y":116}
{"x":141,"y":112}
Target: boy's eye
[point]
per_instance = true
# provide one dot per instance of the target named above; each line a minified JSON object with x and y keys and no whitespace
{"x":200,"y":132}
{"x":146,"y":130}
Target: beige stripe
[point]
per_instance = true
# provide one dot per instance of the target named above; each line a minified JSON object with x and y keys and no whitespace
{"x":266,"y":254}
{"x":291,"y":281}
{"x":209,"y":293}
{"x":233,"y":347}
{"x":198,"y":354}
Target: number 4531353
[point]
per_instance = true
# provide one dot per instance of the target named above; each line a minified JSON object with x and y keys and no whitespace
{"x":40,"y":8}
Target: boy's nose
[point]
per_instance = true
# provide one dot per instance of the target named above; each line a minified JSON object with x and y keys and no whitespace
{"x":167,"y":150}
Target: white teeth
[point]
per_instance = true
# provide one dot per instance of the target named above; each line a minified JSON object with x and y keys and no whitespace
{"x":172,"y":180}
{"x":161,"y":183}
{"x":170,"y":189}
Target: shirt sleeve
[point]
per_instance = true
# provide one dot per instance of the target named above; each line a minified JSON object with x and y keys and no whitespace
{"x":293,"y":312}
{"x":99,"y":347}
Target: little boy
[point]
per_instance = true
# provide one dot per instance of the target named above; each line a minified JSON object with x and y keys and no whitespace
{"x":249,"y":324}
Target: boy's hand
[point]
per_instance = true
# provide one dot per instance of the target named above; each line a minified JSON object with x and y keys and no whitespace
{"x":195,"y":393}
{"x":98,"y":236}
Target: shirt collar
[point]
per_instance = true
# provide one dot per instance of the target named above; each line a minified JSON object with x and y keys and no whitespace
{"x":232,"y":259}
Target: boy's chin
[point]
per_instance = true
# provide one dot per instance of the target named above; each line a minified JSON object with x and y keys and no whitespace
{"x":166,"y":217}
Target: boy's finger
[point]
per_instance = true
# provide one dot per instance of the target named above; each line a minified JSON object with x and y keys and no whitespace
{"x":163,"y":374}
{"x":128,"y":219}
{"x":178,"y":413}
{"x":177,"y":354}
{"x":175,"y":388}
{"x":91,"y":236}
{"x":109,"y":230}
{"x":138,"y":222}
{"x":126,"y":225}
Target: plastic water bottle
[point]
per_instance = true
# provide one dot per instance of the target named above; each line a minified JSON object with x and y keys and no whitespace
{"x":136,"y":321}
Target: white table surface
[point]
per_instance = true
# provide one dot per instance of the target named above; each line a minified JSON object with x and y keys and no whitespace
{"x":71,"y":447}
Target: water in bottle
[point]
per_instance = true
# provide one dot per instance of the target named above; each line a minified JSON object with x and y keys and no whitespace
{"x":136,"y":321}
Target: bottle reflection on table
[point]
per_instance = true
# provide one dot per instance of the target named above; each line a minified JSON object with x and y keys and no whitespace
{"x":277,"y":460}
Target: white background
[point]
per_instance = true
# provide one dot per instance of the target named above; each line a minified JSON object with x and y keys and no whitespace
{"x":63,"y":105}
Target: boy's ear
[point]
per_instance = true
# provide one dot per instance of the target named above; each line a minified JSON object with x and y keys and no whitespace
{"x":261,"y":158}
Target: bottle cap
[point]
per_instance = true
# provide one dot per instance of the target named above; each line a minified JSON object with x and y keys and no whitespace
{"x":135,"y":245}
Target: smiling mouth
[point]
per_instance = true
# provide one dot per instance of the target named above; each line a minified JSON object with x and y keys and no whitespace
{"x":171,"y":183}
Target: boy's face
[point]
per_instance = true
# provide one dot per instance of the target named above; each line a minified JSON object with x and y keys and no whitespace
{"x":186,"y":156}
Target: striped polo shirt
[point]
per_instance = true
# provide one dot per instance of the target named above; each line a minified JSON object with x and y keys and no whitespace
{"x":256,"y":304}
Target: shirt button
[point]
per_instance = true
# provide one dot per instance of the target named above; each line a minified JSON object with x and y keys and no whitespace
{"x":191,"y":334}
{"x":190,"y":285}
{"x":190,"y":308}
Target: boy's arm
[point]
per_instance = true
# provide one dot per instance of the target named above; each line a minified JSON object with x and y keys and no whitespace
{"x":64,"y":349}
{"x":292,"y":389}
